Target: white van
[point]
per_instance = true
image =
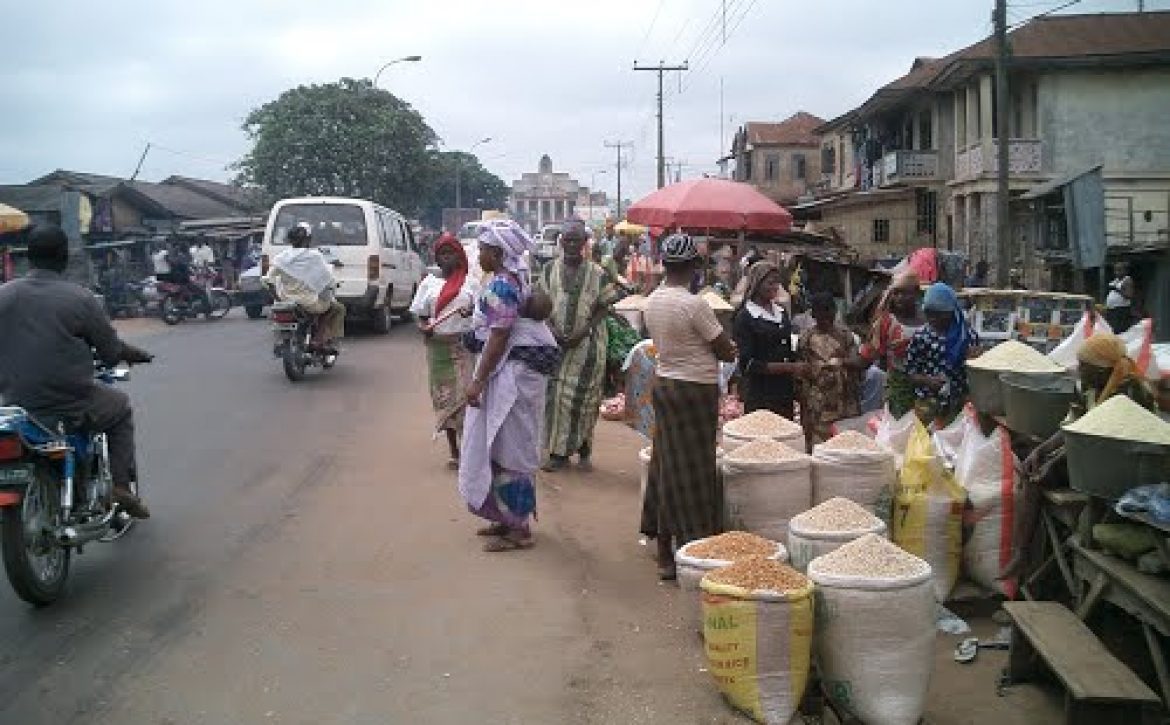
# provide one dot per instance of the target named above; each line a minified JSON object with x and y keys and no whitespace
{"x":380,"y":266}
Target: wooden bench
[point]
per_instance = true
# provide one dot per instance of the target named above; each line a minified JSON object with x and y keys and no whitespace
{"x":1099,"y":689}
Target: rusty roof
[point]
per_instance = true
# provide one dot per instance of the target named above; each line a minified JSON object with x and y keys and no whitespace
{"x":797,"y":130}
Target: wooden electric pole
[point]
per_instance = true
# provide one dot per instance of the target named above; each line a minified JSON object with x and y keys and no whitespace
{"x":1003,"y":227}
{"x":661,"y":69}
{"x":619,"y":145}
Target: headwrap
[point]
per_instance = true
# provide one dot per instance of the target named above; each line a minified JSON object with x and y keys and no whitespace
{"x":679,"y":248}
{"x":574,"y":228}
{"x":907,"y":279}
{"x":755,"y":277}
{"x":941,"y":298}
{"x":1108,"y":352}
{"x":455,"y":280}
{"x":509,"y":237}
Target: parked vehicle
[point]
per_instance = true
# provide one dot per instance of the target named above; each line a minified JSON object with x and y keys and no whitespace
{"x":56,"y":496}
{"x":545,"y":249}
{"x":373,"y":249}
{"x":293,"y":330}
{"x":120,"y":296}
{"x":178,"y":302}
{"x":253,"y":294}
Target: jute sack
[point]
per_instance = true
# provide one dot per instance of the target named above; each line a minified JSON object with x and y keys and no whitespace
{"x":860,"y":476}
{"x":691,"y":570}
{"x":874,"y":644}
{"x":758,"y":646}
{"x":760,"y":497}
{"x":804,"y":544}
{"x":731,"y":441}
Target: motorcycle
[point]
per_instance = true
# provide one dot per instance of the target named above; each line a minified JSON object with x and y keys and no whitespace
{"x":56,"y":496}
{"x":293,"y":329}
{"x":179,"y":303}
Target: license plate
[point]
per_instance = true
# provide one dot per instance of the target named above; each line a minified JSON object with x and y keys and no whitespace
{"x":12,"y":475}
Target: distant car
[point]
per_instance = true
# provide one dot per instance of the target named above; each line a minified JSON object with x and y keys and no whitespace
{"x":546,"y":248}
{"x":254,"y":295}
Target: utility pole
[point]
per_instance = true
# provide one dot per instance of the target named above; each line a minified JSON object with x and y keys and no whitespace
{"x":619,"y":145}
{"x":661,"y":69}
{"x":1003,"y":225}
{"x":141,"y":159}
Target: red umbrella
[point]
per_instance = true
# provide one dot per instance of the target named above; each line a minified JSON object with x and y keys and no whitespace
{"x":711,"y":204}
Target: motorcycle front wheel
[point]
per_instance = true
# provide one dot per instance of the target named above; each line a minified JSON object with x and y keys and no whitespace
{"x":221,"y":304}
{"x":293,"y":356}
{"x":36,"y":565}
{"x":172,"y":314}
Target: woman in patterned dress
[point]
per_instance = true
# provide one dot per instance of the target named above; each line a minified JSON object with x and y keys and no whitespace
{"x":831,"y":390}
{"x":898,"y":319}
{"x":936,"y":359}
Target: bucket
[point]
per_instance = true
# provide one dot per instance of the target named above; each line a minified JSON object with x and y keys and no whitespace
{"x":1108,"y":467}
{"x":986,"y":390}
{"x":1036,"y":404}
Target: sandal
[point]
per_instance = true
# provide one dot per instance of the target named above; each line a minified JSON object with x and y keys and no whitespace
{"x":131,"y":504}
{"x":493,"y":530}
{"x":508,"y":543}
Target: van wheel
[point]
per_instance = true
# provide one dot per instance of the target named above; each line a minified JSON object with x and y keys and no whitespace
{"x":382,"y":320}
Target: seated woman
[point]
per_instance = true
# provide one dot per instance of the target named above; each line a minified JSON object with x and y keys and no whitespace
{"x":1104,"y":370}
{"x":936,"y":359}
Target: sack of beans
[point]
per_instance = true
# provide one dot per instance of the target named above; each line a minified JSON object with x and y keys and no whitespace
{"x":928,"y":512}
{"x":765,"y":483}
{"x":874,"y":640}
{"x":695,"y":559}
{"x":827,"y":526}
{"x":757,"y":630}
{"x":762,"y":425}
{"x":986,"y":468}
{"x":852,"y":465}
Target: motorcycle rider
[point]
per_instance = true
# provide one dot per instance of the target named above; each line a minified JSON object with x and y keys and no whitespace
{"x":52,"y":329}
{"x":300,"y":274}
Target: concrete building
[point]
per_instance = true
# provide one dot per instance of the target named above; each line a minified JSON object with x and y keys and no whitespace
{"x":782,"y":160}
{"x":546,"y":197}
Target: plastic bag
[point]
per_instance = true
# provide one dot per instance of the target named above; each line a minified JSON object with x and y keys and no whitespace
{"x":1065,"y":354}
{"x":986,"y":468}
{"x":928,"y":512}
{"x":949,"y":440}
{"x":759,"y":648}
{"x":894,"y":433}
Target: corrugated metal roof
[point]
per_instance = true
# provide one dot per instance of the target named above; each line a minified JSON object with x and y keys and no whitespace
{"x":32,"y":198}
{"x":797,"y":130}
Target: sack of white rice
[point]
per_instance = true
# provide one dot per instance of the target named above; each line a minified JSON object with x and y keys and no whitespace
{"x":695,"y":559}
{"x":757,"y":630}
{"x":1013,"y":356}
{"x":765,"y":483}
{"x":852,"y":465}
{"x":928,"y":512}
{"x":874,"y":637}
{"x":986,"y":468}
{"x":827,"y":526}
{"x":762,"y":425}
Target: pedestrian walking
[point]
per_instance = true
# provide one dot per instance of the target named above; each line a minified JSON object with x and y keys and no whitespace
{"x":682,"y":501}
{"x":581,"y":293}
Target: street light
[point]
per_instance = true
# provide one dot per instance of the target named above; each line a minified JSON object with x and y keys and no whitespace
{"x":458,"y":170}
{"x":592,"y":182}
{"x":405,"y":59}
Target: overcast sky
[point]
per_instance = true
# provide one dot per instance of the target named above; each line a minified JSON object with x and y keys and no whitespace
{"x":86,"y":86}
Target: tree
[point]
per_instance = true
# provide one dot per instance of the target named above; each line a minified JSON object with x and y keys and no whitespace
{"x":341,"y":139}
{"x":478,"y":187}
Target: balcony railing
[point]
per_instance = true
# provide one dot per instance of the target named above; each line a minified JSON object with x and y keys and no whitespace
{"x":1025,"y":158}
{"x":902,"y":167}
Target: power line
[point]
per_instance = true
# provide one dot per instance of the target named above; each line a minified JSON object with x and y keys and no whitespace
{"x":661,"y":68}
{"x":701,"y":66}
{"x":649,"y":30}
{"x":1044,"y":14}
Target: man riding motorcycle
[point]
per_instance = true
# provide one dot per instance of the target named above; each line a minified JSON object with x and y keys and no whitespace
{"x":301,"y":275}
{"x":52,"y":329}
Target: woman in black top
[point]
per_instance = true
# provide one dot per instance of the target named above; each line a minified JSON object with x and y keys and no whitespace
{"x":763,"y":332}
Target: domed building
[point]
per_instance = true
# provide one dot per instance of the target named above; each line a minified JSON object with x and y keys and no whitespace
{"x":548,"y":197}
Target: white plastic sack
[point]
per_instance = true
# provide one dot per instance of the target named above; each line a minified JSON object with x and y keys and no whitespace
{"x":760,"y":498}
{"x":874,"y":644}
{"x":804,"y":545}
{"x":1065,"y":354}
{"x":690,"y":573}
{"x":949,"y":440}
{"x":894,"y":433}
{"x":860,"y":476}
{"x":866,"y":424}
{"x":986,"y":468}
{"x":731,"y":441}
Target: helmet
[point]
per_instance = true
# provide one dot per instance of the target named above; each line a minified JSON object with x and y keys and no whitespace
{"x":300,"y":233}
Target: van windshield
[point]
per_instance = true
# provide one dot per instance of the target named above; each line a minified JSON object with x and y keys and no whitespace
{"x":334,"y":225}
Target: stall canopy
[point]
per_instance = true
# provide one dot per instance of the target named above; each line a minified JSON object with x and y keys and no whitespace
{"x":626,"y":227}
{"x":12,"y":219}
{"x":716,"y":204}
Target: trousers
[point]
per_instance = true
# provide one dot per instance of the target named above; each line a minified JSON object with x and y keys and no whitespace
{"x":108,"y":411}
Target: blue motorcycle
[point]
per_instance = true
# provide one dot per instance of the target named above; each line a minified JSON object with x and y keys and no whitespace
{"x":56,"y":496}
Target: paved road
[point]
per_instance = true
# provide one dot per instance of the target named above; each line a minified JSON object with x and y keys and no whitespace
{"x":309,"y":562}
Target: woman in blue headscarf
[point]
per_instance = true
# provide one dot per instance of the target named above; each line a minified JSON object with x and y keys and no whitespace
{"x":936,"y":359}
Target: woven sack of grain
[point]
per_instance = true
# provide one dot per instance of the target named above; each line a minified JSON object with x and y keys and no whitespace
{"x":826,"y":527}
{"x":734,"y":545}
{"x":759,"y":645}
{"x":928,"y":512}
{"x":761,"y":495}
{"x":986,"y":468}
{"x":762,"y":425}
{"x":874,"y":635}
{"x":949,"y":440}
{"x":852,"y":466}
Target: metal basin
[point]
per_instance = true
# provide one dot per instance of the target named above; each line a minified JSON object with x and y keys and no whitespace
{"x":986,"y":390}
{"x":1108,"y":467}
{"x":1036,"y":404}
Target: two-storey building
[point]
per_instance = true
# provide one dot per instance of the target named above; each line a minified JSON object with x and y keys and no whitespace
{"x":782,"y":159}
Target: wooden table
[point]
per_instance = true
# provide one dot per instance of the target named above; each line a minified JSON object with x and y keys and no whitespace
{"x":1145,"y":597}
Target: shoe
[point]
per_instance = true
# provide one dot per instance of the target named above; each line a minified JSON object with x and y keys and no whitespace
{"x":131,"y":504}
{"x":554,"y":463}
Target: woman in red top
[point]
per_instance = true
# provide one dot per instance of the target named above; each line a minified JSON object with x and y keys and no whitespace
{"x":899,"y":317}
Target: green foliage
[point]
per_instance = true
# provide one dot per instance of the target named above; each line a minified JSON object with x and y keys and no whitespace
{"x":351,"y":139}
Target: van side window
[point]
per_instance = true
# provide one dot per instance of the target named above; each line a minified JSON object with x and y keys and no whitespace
{"x":408,"y":238}
{"x":390,"y":231}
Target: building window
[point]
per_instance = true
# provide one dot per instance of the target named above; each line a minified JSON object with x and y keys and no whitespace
{"x":828,"y":160}
{"x":798,"y":166}
{"x":881,"y":231}
{"x":747,"y":167}
{"x":560,"y":210}
{"x":771,"y":167}
{"x":925,"y":131}
{"x":545,"y":211}
{"x":926,"y":208}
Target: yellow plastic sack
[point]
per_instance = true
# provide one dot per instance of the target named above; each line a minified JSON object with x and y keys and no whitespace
{"x":759,"y":647}
{"x":928,"y":512}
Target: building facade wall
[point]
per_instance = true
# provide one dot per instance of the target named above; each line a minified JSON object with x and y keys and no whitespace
{"x":785,"y":183}
{"x":856,"y":225}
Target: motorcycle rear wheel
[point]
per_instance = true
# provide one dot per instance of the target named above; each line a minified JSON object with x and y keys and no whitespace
{"x":172,"y":314}
{"x":36,"y":565}
{"x":293,"y":357}
{"x":221,"y":304}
